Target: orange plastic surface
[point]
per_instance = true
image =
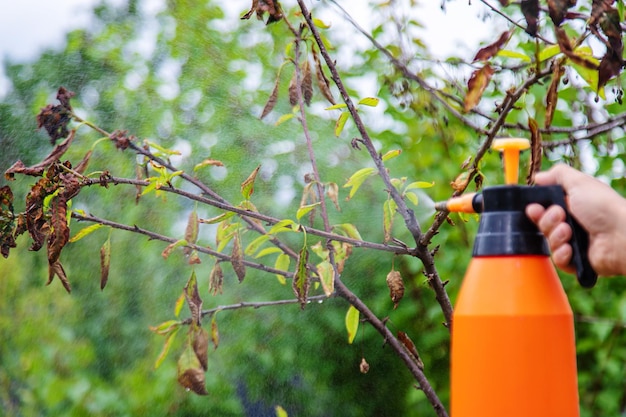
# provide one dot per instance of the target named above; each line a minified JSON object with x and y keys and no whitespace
{"x":513,"y":347}
{"x":511,"y":148}
{"x":463,"y":204}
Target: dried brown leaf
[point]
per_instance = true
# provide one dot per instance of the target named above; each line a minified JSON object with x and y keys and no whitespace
{"x":530,"y":10}
{"x":322,"y":81}
{"x":56,"y":269}
{"x":191,"y":374}
{"x":535,"y":151}
{"x":410,"y":348}
{"x":59,"y":230}
{"x":566,"y":47}
{"x":193,"y":299}
{"x":307,"y":83}
{"x":216,"y":279}
{"x":610,"y":66}
{"x":293,"y":90}
{"x":476,"y":86}
{"x":272,"y":100}
{"x":236,"y":258}
{"x":557,"y":9}
{"x":552,"y":97}
{"x":364,"y":367}
{"x":396,"y":287}
{"x":484,"y":54}
{"x":105,"y":263}
{"x":200,"y":344}
{"x":37,"y":170}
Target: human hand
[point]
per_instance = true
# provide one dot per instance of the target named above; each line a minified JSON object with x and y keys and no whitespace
{"x":597,"y":207}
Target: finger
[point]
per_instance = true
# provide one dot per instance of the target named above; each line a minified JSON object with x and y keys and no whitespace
{"x":562,"y":257}
{"x":553,"y":216}
{"x":534,"y":212}
{"x":560,"y":236}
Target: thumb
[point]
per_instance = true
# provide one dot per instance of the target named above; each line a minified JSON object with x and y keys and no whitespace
{"x":560,"y":174}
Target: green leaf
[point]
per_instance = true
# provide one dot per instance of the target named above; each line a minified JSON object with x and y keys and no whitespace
{"x":389,"y":212}
{"x":352,"y":323}
{"x":166,"y":327}
{"x":282,"y":263}
{"x":166,"y":347}
{"x":412,"y":197}
{"x":326,"y":273}
{"x":513,"y":54}
{"x":161,"y":149}
{"x":341,"y":122}
{"x":268,"y":251}
{"x":254,"y":246}
{"x":85,"y":231}
{"x":320,"y":23}
{"x":591,"y":78}
{"x":286,"y":225}
{"x":179,"y":304}
{"x":337,"y":106}
{"x":304,"y":210}
{"x":280,"y":412}
{"x":300,"y":282}
{"x":419,"y":184}
{"x":349,"y":230}
{"x":282,"y":119}
{"x":549,"y":52}
{"x":369,"y":101}
{"x":391,"y":154}
{"x":357,"y":179}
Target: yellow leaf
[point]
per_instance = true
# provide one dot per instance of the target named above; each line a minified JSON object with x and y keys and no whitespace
{"x":85,"y":231}
{"x":352,"y":323}
{"x":357,"y":179}
{"x":391,"y":154}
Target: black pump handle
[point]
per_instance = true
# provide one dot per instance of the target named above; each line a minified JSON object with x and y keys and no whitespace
{"x":554,"y":194}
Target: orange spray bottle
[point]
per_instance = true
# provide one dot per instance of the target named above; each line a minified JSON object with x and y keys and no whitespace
{"x":513,"y":346}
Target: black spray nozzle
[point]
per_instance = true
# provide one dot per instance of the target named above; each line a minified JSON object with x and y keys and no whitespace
{"x":505,"y":205}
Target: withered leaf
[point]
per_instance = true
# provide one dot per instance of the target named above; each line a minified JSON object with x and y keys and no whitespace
{"x":82,"y":165}
{"x":59,"y":230}
{"x":535,"y":151}
{"x":364,"y":367}
{"x":411,"y":349}
{"x":216,"y":279}
{"x":476,"y":86}
{"x":260,"y":7}
{"x":190,"y":371}
{"x":307,"y":83}
{"x":64,"y":95}
{"x":121,"y":139}
{"x":610,"y":66}
{"x":557,"y":9}
{"x":530,"y":10}
{"x":565,"y":46}
{"x":193,"y":299}
{"x":552,"y":96}
{"x":191,"y":231}
{"x":55,"y":120}
{"x":105,"y":262}
{"x":396,"y":287}
{"x":293,"y":89}
{"x":300,"y":283}
{"x":7,"y":220}
{"x":484,"y":54}
{"x":272,"y":100}
{"x":37,"y":170}
{"x":322,"y":81}
{"x":236,"y":258}
{"x":56,"y":269}
{"x":200,"y":344}
{"x":247,"y":187}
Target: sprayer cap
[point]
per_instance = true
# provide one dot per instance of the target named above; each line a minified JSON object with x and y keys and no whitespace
{"x":510,"y":148}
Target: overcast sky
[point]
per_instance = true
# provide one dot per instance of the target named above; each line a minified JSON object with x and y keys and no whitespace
{"x":29,"y":26}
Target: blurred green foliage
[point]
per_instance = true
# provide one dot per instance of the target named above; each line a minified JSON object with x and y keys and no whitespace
{"x":195,"y":78}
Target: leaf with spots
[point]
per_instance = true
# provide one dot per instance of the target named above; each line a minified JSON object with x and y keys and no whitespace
{"x":300,"y":282}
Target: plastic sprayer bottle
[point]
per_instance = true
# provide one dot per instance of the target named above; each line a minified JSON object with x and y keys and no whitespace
{"x":513,"y":347}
